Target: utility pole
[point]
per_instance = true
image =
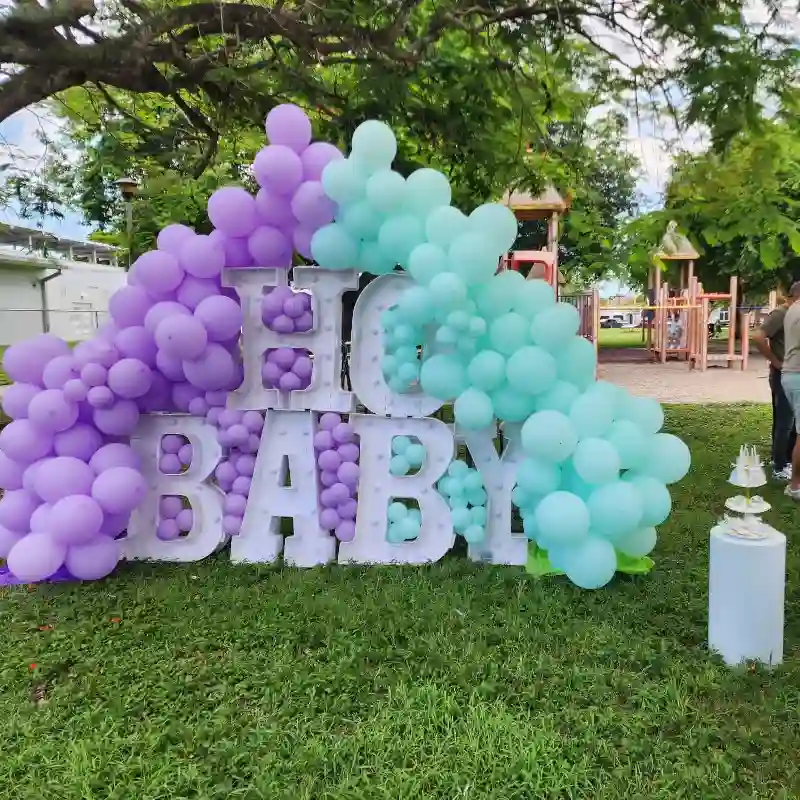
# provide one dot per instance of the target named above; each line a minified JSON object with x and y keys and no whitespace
{"x":128,"y":188}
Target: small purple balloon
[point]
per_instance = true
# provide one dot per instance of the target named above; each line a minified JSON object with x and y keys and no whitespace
{"x":10,"y":474}
{"x":198,"y":407}
{"x":168,"y":530}
{"x":339,"y":492}
{"x":16,"y":509}
{"x":194,"y":290}
{"x":170,"y":464}
{"x":202,"y":257}
{"x":171,"y":367}
{"x":75,"y":390}
{"x":278,"y":168}
{"x":129,"y":305}
{"x":136,"y":342}
{"x":269,"y":247}
{"x":225,"y":472}
{"x":7,"y":540}
{"x":242,"y":485}
{"x":311,"y":206}
{"x":231,"y":524}
{"x":170,"y":506}
{"x":238,"y":434}
{"x":220,"y":316}
{"x":301,"y":239}
{"x":282,"y":324}
{"x":130,"y":378}
{"x":157,"y":272}
{"x":288,"y":125}
{"x":348,"y":509}
{"x":348,"y":473}
{"x":115,"y":455}
{"x":100,"y":397}
{"x":289,"y":382}
{"x":171,"y":238}
{"x":328,"y":478}
{"x":183,"y":393}
{"x":237,"y":253}
{"x":329,"y":460}
{"x":323,"y":440}
{"x":274,"y":209}
{"x":119,"y":420}
{"x":253,"y":421}
{"x":343,"y":433}
{"x":316,"y":157}
{"x":58,"y":371}
{"x":345,"y":531}
{"x":329,"y":518}
{"x":185,"y":519}
{"x":172,"y":443}
{"x":303,"y":367}
{"x":235,"y":504}
{"x":94,"y":374}
{"x":160,"y":311}
{"x":284,"y":357}
{"x":348,"y":452}
{"x":329,"y":421}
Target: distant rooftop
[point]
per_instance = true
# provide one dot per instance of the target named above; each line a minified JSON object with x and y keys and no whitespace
{"x":16,"y":240}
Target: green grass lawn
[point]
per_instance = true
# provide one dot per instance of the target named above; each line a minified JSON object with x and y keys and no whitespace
{"x":620,"y":337}
{"x":452,"y":681}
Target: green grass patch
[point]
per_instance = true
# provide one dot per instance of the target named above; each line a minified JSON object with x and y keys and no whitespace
{"x":450,"y":681}
{"x":620,"y":337}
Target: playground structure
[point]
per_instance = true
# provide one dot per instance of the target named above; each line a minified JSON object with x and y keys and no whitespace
{"x":679,"y":326}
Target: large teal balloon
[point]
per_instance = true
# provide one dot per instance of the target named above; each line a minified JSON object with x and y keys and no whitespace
{"x":415,"y":306}
{"x":644,"y":412}
{"x":591,"y":564}
{"x":629,"y":442}
{"x":427,"y":189}
{"x":472,"y":257}
{"x":554,"y":327}
{"x":577,"y":362}
{"x":343,"y":181}
{"x":443,"y":377}
{"x":426,"y":261}
{"x":487,"y":370}
{"x":549,"y":435}
{"x":374,"y":143}
{"x":448,"y":291}
{"x":562,"y":519}
{"x":592,"y":414}
{"x":372,"y":259}
{"x":333,"y":248}
{"x":668,"y":458}
{"x":444,"y":225}
{"x":559,"y":397}
{"x":531,"y":369}
{"x":361,"y":220}
{"x":497,"y":223}
{"x":508,"y":333}
{"x":399,"y":235}
{"x":596,"y":461}
{"x":511,"y":405}
{"x":655,"y":497}
{"x":496,"y":296}
{"x":616,"y":509}
{"x":639,"y":543}
{"x":537,"y":476}
{"x":572,"y":482}
{"x":386,"y":190}
{"x":532,"y":297}
{"x":473,"y":410}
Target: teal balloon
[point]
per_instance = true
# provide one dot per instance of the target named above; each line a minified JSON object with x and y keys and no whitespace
{"x":473,"y":481}
{"x":343,"y":181}
{"x":478,"y":514}
{"x":473,"y":410}
{"x":509,"y":333}
{"x":639,"y":543}
{"x":462,"y":519}
{"x":406,"y":353}
{"x":446,"y":336}
{"x":333,"y":248}
{"x":530,"y":528}
{"x":592,"y":414}
{"x":596,"y":461}
{"x":537,"y":476}
{"x":475,"y":534}
{"x":400,"y":444}
{"x":496,"y":297}
{"x":616,"y":509}
{"x":577,"y":362}
{"x":472,"y":257}
{"x":668,"y":458}
{"x":532,"y":297}
{"x":487,"y":370}
{"x":427,"y":189}
{"x":497,"y":223}
{"x":374,"y":143}
{"x":394,"y":533}
{"x":426,"y":262}
{"x":399,"y":466}
{"x":409,"y":527}
{"x":521,"y":497}
{"x":629,"y":442}
{"x":477,"y":326}
{"x":389,"y":364}
{"x":656,"y":500}
{"x":572,"y":482}
{"x":549,"y":435}
{"x":591,"y":564}
{"x":458,"y":469}
{"x":644,"y":412}
{"x":444,"y":225}
{"x":559,"y":397}
{"x":416,"y":515}
{"x":373,"y":260}
{"x":443,"y":377}
{"x":459,"y":501}
{"x":397,"y":511}
{"x":397,"y":385}
{"x":531,"y":369}
{"x":386,"y":190}
{"x":476,"y":497}
{"x":361,"y":220}
{"x":399,"y":235}
{"x":562,"y":519}
{"x":415,"y":454}
{"x":458,"y":320}
{"x":404,"y":334}
{"x":448,"y":291}
{"x":558,"y":556}
{"x":446,"y":486}
{"x":554,"y":327}
{"x":511,"y":405}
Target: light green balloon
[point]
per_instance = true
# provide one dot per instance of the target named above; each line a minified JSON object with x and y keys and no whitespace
{"x":472,"y":258}
{"x":629,"y":442}
{"x":562,"y":519}
{"x":448,"y":291}
{"x":426,"y":261}
{"x":531,"y":369}
{"x":386,"y":190}
{"x":333,"y":248}
{"x":577,"y":362}
{"x":509,"y":333}
{"x":487,"y":370}
{"x":372,"y":259}
{"x":399,"y":466}
{"x":616,"y":509}
{"x":559,"y":397}
{"x":374,"y":143}
{"x":443,"y":377}
{"x":549,"y":435}
{"x":511,"y":405}
{"x":444,"y":225}
{"x":498,"y":224}
{"x":669,"y":458}
{"x":554,"y":327}
{"x":397,"y":511}
{"x":473,"y":410}
{"x":644,"y":412}
{"x":427,"y":189}
{"x":361,"y":220}
{"x":399,"y":235}
{"x":415,"y":306}
{"x":596,"y":461}
{"x":496,"y":296}
{"x":656,"y":500}
{"x":532,"y":296}
{"x":462,"y":519}
{"x":639,"y":543}
{"x":475,"y":534}
{"x":343,"y":181}
{"x":537,"y":476}
{"x":591,"y":564}
{"x":415,"y":453}
{"x":592,"y":414}
{"x":458,"y":469}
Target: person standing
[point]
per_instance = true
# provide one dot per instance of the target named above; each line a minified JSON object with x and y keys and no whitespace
{"x":770,"y":341}
{"x":790,"y":379}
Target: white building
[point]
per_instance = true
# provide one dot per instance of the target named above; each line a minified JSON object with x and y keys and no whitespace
{"x":51,"y":284}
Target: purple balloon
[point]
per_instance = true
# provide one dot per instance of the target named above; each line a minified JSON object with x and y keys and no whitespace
{"x":235,"y":505}
{"x":242,"y":485}
{"x":202,"y":257}
{"x":130,"y":378}
{"x":16,"y":508}
{"x":329,"y":460}
{"x":185,"y":454}
{"x":75,"y":390}
{"x":36,"y":557}
{"x":168,"y":530}
{"x":114,"y":524}
{"x":62,"y":476}
{"x":212,"y":370}
{"x":269,"y":247}
{"x":157,"y":272}
{"x":271,"y":375}
{"x":217,"y":398}
{"x":274,"y":209}
{"x":181,"y":337}
{"x":339,"y":492}
{"x":348,"y":509}
{"x":193,"y":290}
{"x":238,"y":434}
{"x":160,"y":311}
{"x":284,"y":357}
{"x":119,"y":489}
{"x":323,"y":440}
{"x":303,"y":368}
{"x":328,"y":478}
{"x":301,"y":239}
{"x":50,"y":411}
{"x":348,"y":452}
{"x":213,"y":414}
{"x":343,"y":433}
{"x":136,"y":342}
{"x":76,"y":519}
{"x":171,"y":367}
{"x":171,"y":238}
{"x":232,"y":210}
{"x":221,"y":317}
{"x":40,"y":519}
{"x":7,"y":540}
{"x":100,"y":397}
{"x":245,"y":465}
{"x":289,"y":382}
{"x":94,"y":374}
{"x":198,"y":407}
{"x":170,"y":506}
{"x":119,"y":420}
{"x":185,"y":520}
{"x":93,"y":560}
{"x":225,"y":473}
{"x":115,"y":455}
{"x":129,"y":305}
{"x":316,"y":157}
{"x":237,"y":253}
{"x":253,"y":444}
{"x":107,"y":331}
{"x":345,"y":531}
{"x":22,"y":441}
{"x":348,"y":473}
{"x":287,"y":124}
{"x":329,"y":518}
{"x":311,"y":206}
{"x":170,"y":464}
{"x":328,"y":498}
{"x":60,"y":370}
{"x":29,"y":476}
{"x":282,"y":324}
{"x":10,"y":474}
{"x":230,"y":416}
{"x":278,"y":168}
{"x":99,"y":352}
{"x":158,"y":396}
{"x":17,"y":398}
{"x":25,"y":361}
{"x":80,"y":441}
{"x":253,"y":421}
{"x":293,"y":306}
{"x":231,"y":524}
{"x":329,"y":420}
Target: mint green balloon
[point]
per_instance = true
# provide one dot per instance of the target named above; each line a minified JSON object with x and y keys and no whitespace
{"x":554,"y":327}
{"x":656,"y":500}
{"x":572,"y":482}
{"x":372,"y":259}
{"x":444,"y":225}
{"x":399,"y":235}
{"x":562,"y":519}
{"x":473,"y":481}
{"x":537,"y":476}
{"x":591,"y":564}
{"x":475,"y":534}
{"x":644,"y":412}
{"x":639,"y":543}
{"x":577,"y":362}
{"x":497,"y":223}
{"x":473,"y":410}
{"x":478,"y":514}
{"x":487,"y":370}
{"x":415,"y":305}
{"x":361,"y":220}
{"x":629,"y":442}
{"x":509,"y":333}
{"x":596,"y":461}
{"x":531,"y":369}
{"x":448,"y":291}
{"x":458,"y":469}
{"x":559,"y":397}
{"x":399,"y":466}
{"x":511,"y":405}
{"x":374,"y":143}
{"x":462,"y":519}
{"x":426,"y":262}
{"x":397,"y":511}
{"x":496,"y":296}
{"x":592,"y":414}
{"x":549,"y":435}
{"x":443,"y":377}
{"x":394,"y":533}
{"x":400,"y":444}
{"x":333,"y":248}
{"x":408,"y":371}
{"x":415,"y":453}
{"x":532,"y":296}
{"x":427,"y":189}
{"x":472,"y":258}
{"x":668,"y":459}
{"x":616,"y":509}
{"x":521,"y":497}
{"x":530,"y":528}
{"x":343,"y":181}
{"x":386,"y":190}
{"x":477,"y":327}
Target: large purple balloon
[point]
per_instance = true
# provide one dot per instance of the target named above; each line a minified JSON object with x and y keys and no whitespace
{"x":7,"y":540}
{"x":94,"y":560}
{"x":40,"y":519}
{"x":235,"y":247}
{"x":171,"y":366}
{"x":221,"y":317}
{"x":160,"y":311}
{"x":25,"y":362}
{"x":60,"y":370}
{"x":36,"y":557}
{"x":193,"y":290}
{"x":172,"y":237}
{"x":16,"y":508}
{"x":274,"y":209}
{"x":17,"y":398}
{"x":80,"y":441}
{"x":269,"y":247}
{"x":130,"y":378}
{"x":233,"y":210}
{"x":119,"y":420}
{"x":213,"y":370}
{"x":181,"y":337}
{"x":157,"y":272}
{"x":301,"y":238}
{"x":202,"y":257}
{"x":278,"y":168}
{"x":62,"y":476}
{"x":311,"y":205}
{"x":119,"y":490}
{"x":115,"y":455}
{"x":76,"y":519}
{"x":22,"y":441}
{"x":287,"y":124}
{"x":316,"y":157}
{"x":10,"y":473}
{"x":129,"y":305}
{"x":136,"y":342}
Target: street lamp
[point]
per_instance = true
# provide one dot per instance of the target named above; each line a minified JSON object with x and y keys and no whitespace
{"x":128,"y":188}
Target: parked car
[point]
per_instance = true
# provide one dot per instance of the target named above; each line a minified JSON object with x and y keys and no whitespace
{"x":610,"y":322}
